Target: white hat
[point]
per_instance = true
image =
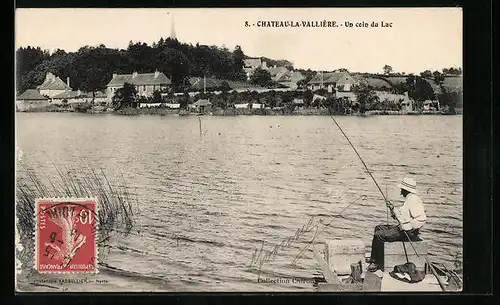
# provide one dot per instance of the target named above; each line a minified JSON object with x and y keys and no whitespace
{"x":409,"y":184}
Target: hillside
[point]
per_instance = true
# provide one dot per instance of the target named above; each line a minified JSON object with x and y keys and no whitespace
{"x":91,"y":67}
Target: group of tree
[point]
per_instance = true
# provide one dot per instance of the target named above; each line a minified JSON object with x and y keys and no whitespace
{"x":91,"y":68}
{"x":280,"y":63}
{"x":126,"y":97}
{"x":388,"y":70}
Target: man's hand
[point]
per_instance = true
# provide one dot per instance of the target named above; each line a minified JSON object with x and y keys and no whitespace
{"x":390,"y":205}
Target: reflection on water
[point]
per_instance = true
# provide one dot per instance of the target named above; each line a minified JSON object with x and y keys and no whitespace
{"x":207,"y":202}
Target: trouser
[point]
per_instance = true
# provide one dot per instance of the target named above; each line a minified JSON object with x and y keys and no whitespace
{"x":388,"y":233}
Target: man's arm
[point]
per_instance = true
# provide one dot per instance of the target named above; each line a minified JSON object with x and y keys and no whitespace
{"x":403,"y":216}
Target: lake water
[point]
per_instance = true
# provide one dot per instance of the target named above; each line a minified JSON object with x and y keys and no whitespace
{"x":206,"y":202}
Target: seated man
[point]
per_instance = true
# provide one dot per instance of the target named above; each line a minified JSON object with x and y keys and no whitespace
{"x":410,"y":216}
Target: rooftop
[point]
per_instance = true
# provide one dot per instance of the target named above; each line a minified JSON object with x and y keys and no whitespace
{"x":31,"y":94}
{"x":156,"y":78}
{"x":330,"y":77}
{"x":70,"y":94}
{"x":53,"y":82}
{"x":78,"y":93}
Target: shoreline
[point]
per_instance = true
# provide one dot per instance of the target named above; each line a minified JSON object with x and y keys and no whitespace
{"x":241,"y":112}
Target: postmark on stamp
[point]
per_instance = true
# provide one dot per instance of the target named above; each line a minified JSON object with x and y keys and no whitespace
{"x":65,"y":235}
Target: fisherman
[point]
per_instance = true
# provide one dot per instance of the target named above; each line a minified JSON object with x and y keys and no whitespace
{"x":410,"y":216}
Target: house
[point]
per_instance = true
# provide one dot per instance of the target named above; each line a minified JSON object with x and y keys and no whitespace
{"x":289,"y":78}
{"x":207,"y":84}
{"x":202,"y":105}
{"x":70,"y":97}
{"x":99,"y":98}
{"x":407,"y":103}
{"x":78,"y":96}
{"x":431,"y":105}
{"x":145,"y":83}
{"x":53,"y":86}
{"x":275,"y":71}
{"x":340,"y":81}
{"x":252,"y":63}
{"x":31,"y":99}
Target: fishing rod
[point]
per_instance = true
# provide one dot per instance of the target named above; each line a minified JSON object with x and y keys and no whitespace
{"x":441,"y":284}
{"x":366,"y":167}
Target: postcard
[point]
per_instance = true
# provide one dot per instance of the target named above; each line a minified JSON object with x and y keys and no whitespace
{"x":238,"y":150}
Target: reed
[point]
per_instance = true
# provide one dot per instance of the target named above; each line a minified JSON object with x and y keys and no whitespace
{"x":116,"y":212}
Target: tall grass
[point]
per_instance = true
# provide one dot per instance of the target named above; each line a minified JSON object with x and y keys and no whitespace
{"x":115,"y":210}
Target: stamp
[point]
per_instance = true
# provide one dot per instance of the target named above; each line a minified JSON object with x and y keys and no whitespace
{"x":65,"y":235}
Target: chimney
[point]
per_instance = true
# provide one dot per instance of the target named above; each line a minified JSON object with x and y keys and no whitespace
{"x":67,"y":81}
{"x":157,"y":73}
{"x":79,"y":92}
{"x":134,"y":75}
{"x":114,"y":75}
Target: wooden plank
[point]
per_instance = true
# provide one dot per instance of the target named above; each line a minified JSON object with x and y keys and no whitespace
{"x":327,"y":287}
{"x":394,"y":254}
{"x":330,"y":276}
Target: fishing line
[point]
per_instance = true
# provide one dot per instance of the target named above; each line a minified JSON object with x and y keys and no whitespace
{"x":326,"y":226}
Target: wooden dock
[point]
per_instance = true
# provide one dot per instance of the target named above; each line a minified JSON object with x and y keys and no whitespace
{"x":379,"y":281}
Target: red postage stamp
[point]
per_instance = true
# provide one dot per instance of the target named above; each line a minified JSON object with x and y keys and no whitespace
{"x":65,"y":235}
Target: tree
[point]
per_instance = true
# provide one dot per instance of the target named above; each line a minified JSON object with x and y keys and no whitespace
{"x":366,"y":97}
{"x":308,"y":96}
{"x":419,"y":90}
{"x":387,"y":69}
{"x":175,"y":64}
{"x":426,"y":74}
{"x":94,"y":68}
{"x":141,"y":57}
{"x":224,"y":86}
{"x":438,"y":77}
{"x":452,"y":71}
{"x":237,"y":59}
{"x":125,"y":97}
{"x":261,"y":77}
{"x":157,"y":97}
{"x":184,"y":101}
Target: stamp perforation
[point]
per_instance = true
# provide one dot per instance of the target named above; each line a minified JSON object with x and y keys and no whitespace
{"x":59,"y":200}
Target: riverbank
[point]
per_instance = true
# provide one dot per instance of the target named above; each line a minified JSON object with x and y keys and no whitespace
{"x":234,"y":112}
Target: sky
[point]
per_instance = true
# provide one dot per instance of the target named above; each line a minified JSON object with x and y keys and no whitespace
{"x":419,"y":39}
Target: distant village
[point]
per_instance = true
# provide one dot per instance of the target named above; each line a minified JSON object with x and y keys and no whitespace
{"x":338,"y":84}
{"x":269,"y":85}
